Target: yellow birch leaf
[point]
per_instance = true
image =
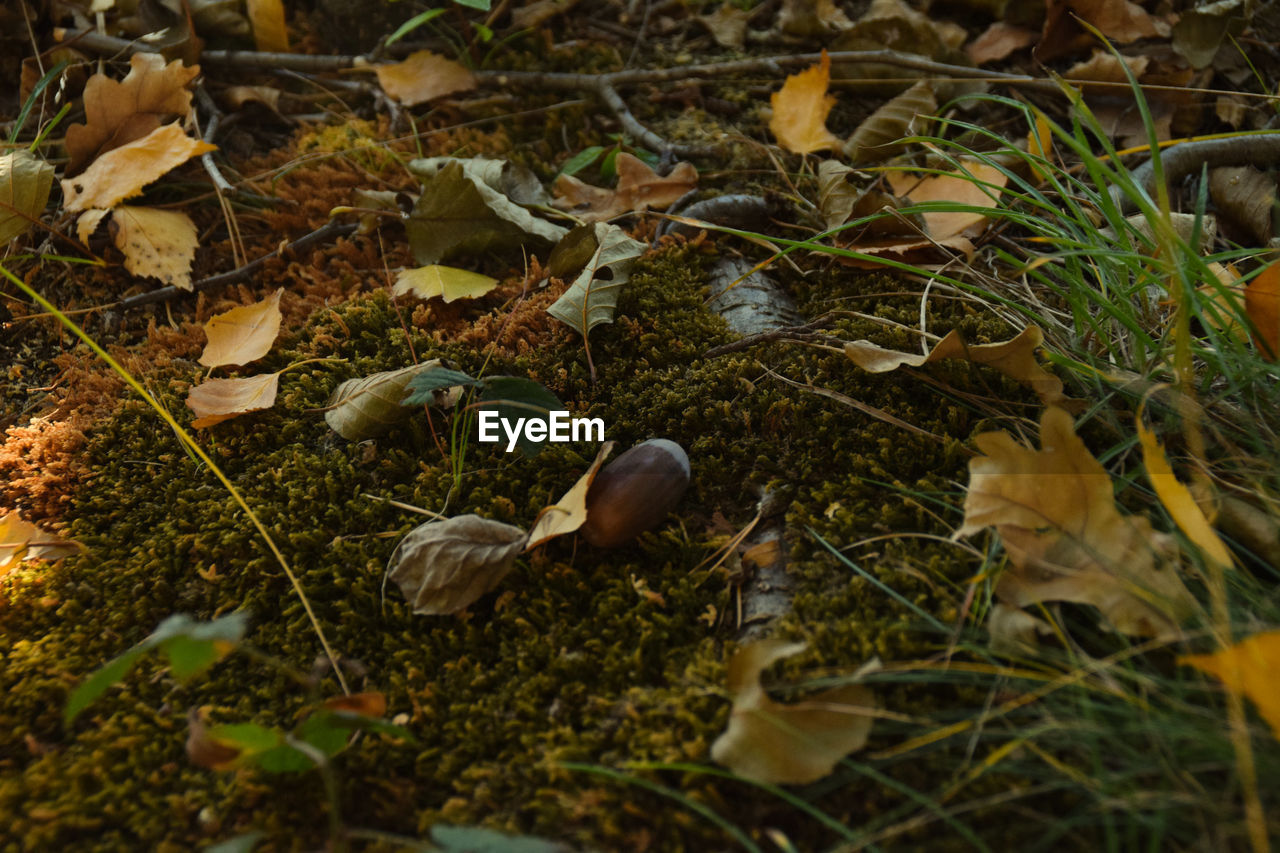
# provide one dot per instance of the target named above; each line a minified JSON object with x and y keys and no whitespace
{"x":267,"y":19}
{"x":123,"y":172}
{"x":800,"y":109}
{"x":157,"y":243}
{"x":1177,"y":499}
{"x":242,"y":334}
{"x":570,"y":512}
{"x":1251,"y":668}
{"x":450,"y":283}
{"x":422,"y":77}
{"x":218,"y":400}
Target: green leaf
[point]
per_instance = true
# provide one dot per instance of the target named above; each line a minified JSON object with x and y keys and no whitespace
{"x":325,"y":731}
{"x":413,"y":23}
{"x":514,"y":397}
{"x":95,"y":685}
{"x":592,"y":298}
{"x":475,"y":839}
{"x":188,"y":657}
{"x":422,"y":387}
{"x":647,"y":157}
{"x":485,"y":34}
{"x":482,"y":5}
{"x":581,"y":160}
{"x":448,"y":282}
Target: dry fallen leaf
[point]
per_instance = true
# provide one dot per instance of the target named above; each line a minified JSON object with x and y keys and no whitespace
{"x":798,"y":743}
{"x":998,"y":41}
{"x":269,"y":31}
{"x":570,"y":512}
{"x":800,"y":108}
{"x":20,"y":540}
{"x":443,"y":566}
{"x":639,"y":188}
{"x":25,"y":182}
{"x":1249,"y":668}
{"x":422,"y":77}
{"x":1119,"y":21}
{"x":156,"y":243}
{"x":977,"y":187}
{"x":1056,"y":515}
{"x":371,"y":704}
{"x":449,"y":283}
{"x":1262,"y":305}
{"x":123,"y":172}
{"x":242,"y":334}
{"x":1246,"y":197}
{"x":117,"y":113}
{"x":218,"y":400}
{"x":1015,"y":358}
{"x":728,"y":25}
{"x":880,"y":135}
{"x":367,"y":406}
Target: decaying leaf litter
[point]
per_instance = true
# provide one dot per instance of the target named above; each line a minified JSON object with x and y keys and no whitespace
{"x":540,"y":670}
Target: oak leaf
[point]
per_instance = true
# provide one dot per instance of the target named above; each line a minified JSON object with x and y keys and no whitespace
{"x":1250,"y":668}
{"x":800,"y":109}
{"x":570,"y":512}
{"x":242,"y":334}
{"x":443,"y":566}
{"x":798,"y":743}
{"x":423,"y":77}
{"x":218,"y":400}
{"x":156,"y":243}
{"x":122,"y":172}
{"x":117,"y":113}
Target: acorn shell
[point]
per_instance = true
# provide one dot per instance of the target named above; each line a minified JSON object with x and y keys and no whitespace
{"x":635,"y":492}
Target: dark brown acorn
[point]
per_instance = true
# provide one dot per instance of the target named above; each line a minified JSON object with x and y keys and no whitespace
{"x":634,"y":492}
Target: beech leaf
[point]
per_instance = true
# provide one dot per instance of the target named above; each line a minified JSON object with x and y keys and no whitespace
{"x":25,"y":183}
{"x":370,"y":405}
{"x":218,"y":400}
{"x":592,"y":299}
{"x":1249,"y":668}
{"x":570,"y":512}
{"x":800,"y":109}
{"x":880,"y":135}
{"x":122,"y":172}
{"x":798,"y":743}
{"x":242,"y":334}
{"x":156,"y":243}
{"x":443,"y":566}
{"x":423,"y":77}
{"x":449,"y":283}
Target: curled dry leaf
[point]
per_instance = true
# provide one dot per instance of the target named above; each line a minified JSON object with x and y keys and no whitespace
{"x":117,"y":113}
{"x":122,"y":172}
{"x":25,"y":183}
{"x":242,"y":334}
{"x":880,"y":135}
{"x":772,"y":742}
{"x":369,"y":405}
{"x":443,"y":566}
{"x":20,"y":540}
{"x":1014,"y":358}
{"x":639,"y":188}
{"x":800,"y":109}
{"x":218,"y":400}
{"x":423,"y":77}
{"x":156,"y":243}
{"x":1249,"y":668}
{"x":1066,"y":540}
{"x":449,"y":283}
{"x":570,"y":512}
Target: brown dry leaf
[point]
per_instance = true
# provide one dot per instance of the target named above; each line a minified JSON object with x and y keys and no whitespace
{"x":1262,"y":305}
{"x":639,"y":188}
{"x":998,"y":41}
{"x":218,"y":400}
{"x":921,"y":252}
{"x":235,"y":97}
{"x":1056,"y":514}
{"x":124,"y":171}
{"x":443,"y":566}
{"x":811,"y":18}
{"x":1015,"y":358}
{"x":371,"y":704}
{"x":978,"y":186}
{"x":800,"y":108}
{"x":117,"y":113}
{"x":20,"y":540}
{"x":1105,"y":67}
{"x":880,"y":134}
{"x":728,"y":25}
{"x":767,"y":741}
{"x":242,"y":334}
{"x":422,"y":77}
{"x":1120,"y":21}
{"x":267,"y":19}
{"x":538,"y":12}
{"x":570,"y":512}
{"x":156,"y":243}
{"x":203,"y":749}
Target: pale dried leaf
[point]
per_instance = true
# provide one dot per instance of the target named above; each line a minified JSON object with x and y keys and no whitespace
{"x":218,"y":400}
{"x":811,"y":18}
{"x":269,"y":31}
{"x":798,"y":743}
{"x":922,"y":252}
{"x":846,"y":194}
{"x":122,"y":172}
{"x":423,"y":77}
{"x":998,"y":41}
{"x":242,"y":334}
{"x":236,"y":97}
{"x":117,"y":113}
{"x":1014,"y":632}
{"x":590,"y":300}
{"x":25,"y":183}
{"x":538,"y":12}
{"x":978,"y":186}
{"x":89,"y":222}
{"x":369,"y":405}
{"x":1015,"y":358}
{"x":513,"y":180}
{"x":20,"y":541}
{"x":570,"y":512}
{"x":880,"y":135}
{"x":800,"y":108}
{"x":443,"y":566}
{"x":449,"y":283}
{"x":156,"y":243}
{"x":728,"y":25}
{"x":1066,"y":540}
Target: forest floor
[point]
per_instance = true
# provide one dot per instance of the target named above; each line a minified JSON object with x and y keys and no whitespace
{"x":979,"y":413}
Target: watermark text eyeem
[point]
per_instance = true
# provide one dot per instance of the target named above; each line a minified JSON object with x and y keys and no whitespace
{"x":556,"y":426}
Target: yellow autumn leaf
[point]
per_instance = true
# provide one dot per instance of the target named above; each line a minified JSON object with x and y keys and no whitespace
{"x":450,"y":283}
{"x":20,"y":541}
{"x":156,"y":243}
{"x":242,"y":334}
{"x":218,"y":400}
{"x":122,"y":172}
{"x":797,"y":743}
{"x":1251,"y":668}
{"x":800,"y":109}
{"x":978,"y":186}
{"x":570,"y":512}
{"x":422,"y":77}
{"x":1262,"y":305}
{"x":267,"y":19}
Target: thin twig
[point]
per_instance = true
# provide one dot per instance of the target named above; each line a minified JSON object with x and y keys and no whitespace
{"x":787,"y":333}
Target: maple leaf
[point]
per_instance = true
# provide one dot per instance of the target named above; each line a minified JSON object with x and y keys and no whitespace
{"x":117,"y":113}
{"x":422,"y":77}
{"x":124,"y":171}
{"x":242,"y":334}
{"x":1250,"y":668}
{"x":800,"y":109}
